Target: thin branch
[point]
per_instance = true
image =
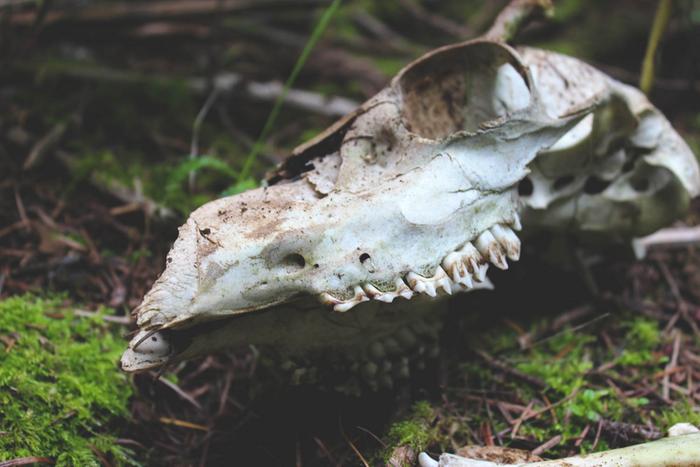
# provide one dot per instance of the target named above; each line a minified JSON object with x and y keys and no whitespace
{"x":196,"y":127}
{"x":515,"y":15}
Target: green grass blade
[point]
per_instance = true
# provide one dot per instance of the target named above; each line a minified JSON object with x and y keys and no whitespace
{"x":315,"y":36}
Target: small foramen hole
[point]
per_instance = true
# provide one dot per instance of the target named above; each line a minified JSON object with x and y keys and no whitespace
{"x":595,"y":185}
{"x":205,"y":232}
{"x":640,"y":184}
{"x":562,"y":182}
{"x":525,"y":187}
{"x":364,"y":257}
{"x":294,"y":260}
{"x":154,"y":339}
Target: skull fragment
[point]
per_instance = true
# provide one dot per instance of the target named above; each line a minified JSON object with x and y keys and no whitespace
{"x":414,"y":194}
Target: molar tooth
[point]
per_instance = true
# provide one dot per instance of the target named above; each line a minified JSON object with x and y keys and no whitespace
{"x":474,"y":263}
{"x":466,"y":280}
{"x":489,"y":247}
{"x":478,"y":270}
{"x":508,"y":240}
{"x":452,"y":263}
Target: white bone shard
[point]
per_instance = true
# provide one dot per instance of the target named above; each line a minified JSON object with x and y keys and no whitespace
{"x":680,"y":449}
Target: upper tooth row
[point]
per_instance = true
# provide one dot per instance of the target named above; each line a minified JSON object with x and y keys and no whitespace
{"x":458,"y":271}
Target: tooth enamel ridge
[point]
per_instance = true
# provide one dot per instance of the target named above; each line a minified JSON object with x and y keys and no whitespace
{"x":462,"y":270}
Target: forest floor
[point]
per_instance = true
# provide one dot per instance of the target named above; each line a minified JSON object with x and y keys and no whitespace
{"x":106,"y":111}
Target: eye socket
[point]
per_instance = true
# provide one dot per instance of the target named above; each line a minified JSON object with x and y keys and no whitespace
{"x":294,"y":261}
{"x":595,"y":185}
{"x":525,"y":187}
{"x":640,"y":184}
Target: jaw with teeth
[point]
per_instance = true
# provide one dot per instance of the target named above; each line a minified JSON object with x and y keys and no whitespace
{"x":463,"y":269}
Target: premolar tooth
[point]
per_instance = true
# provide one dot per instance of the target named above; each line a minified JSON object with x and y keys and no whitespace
{"x":376,"y":294}
{"x":454,"y":273}
{"x":328,"y":299}
{"x":371,"y":291}
{"x":489,"y":247}
{"x":344,"y":305}
{"x":403,"y":290}
{"x":452,"y":263}
{"x":508,"y":240}
{"x":441,"y":279}
{"x":420,"y":284}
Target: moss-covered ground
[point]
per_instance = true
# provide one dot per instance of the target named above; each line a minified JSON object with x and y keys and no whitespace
{"x":60,"y":389}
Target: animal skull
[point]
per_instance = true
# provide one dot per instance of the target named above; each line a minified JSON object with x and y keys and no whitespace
{"x":415,"y":193}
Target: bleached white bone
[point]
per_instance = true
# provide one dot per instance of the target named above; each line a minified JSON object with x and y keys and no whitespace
{"x":680,"y":449}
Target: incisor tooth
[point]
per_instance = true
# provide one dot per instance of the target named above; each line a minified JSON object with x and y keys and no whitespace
{"x":516,"y":222}
{"x":508,"y":240}
{"x":490,"y":248}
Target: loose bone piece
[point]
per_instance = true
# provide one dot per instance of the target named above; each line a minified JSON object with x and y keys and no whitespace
{"x":413,"y":194}
{"x":680,"y":449}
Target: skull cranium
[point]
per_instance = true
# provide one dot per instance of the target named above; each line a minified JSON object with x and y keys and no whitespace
{"x":414,"y":193}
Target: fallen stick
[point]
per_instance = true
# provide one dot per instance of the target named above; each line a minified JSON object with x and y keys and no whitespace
{"x":670,"y":237}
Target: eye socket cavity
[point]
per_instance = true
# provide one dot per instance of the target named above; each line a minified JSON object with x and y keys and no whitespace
{"x":462,"y":88}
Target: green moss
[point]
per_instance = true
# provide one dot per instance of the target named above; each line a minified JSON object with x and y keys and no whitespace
{"x":643,"y":336}
{"x":416,"y":430}
{"x":60,"y":388}
{"x":683,"y":411}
